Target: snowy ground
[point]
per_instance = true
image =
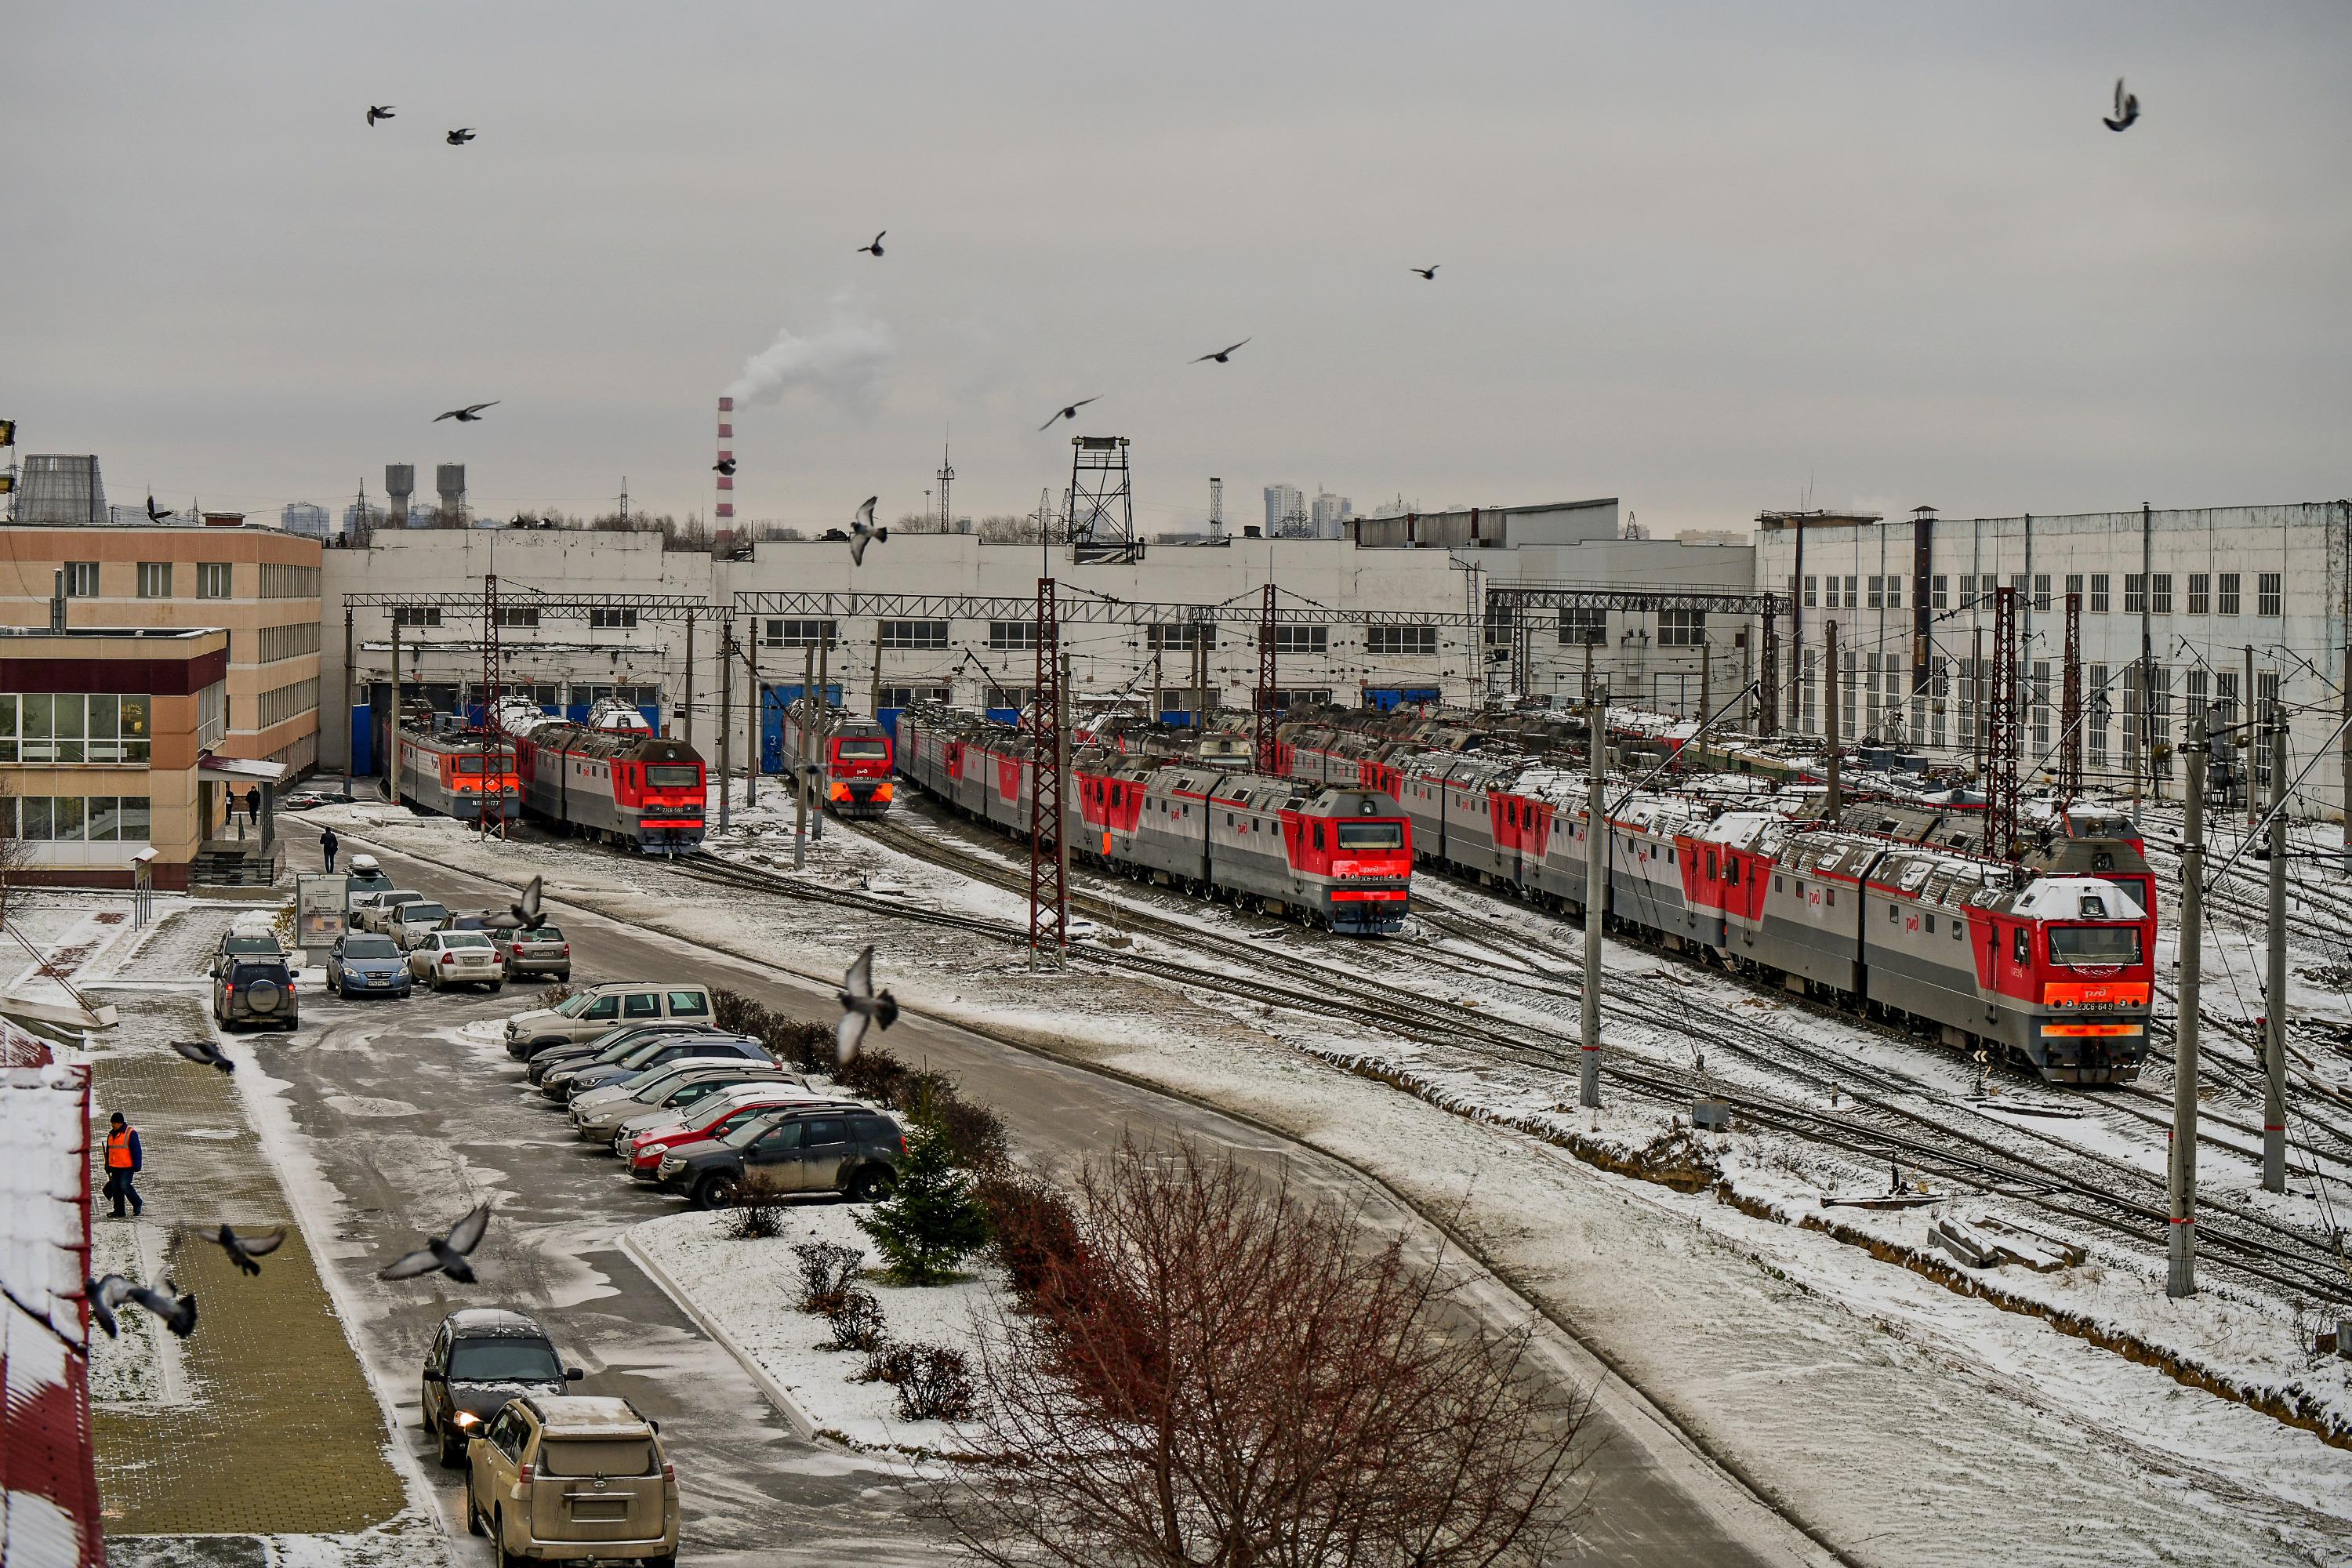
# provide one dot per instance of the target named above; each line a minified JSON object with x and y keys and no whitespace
{"x":1878,"y":1404}
{"x":747,"y":1289}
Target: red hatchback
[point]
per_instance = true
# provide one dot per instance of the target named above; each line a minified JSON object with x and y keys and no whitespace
{"x":707,"y":1124}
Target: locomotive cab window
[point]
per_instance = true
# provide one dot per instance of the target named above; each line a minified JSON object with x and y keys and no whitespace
{"x":2020,"y":946}
{"x":2095,"y":944}
{"x":863,"y":750}
{"x":1371,"y":834}
{"x":669,"y":776}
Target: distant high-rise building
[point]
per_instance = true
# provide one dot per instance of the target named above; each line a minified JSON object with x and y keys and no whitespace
{"x":304,"y":518}
{"x":1282,"y":501}
{"x":1331,"y":514}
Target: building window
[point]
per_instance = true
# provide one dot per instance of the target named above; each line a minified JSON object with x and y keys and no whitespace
{"x":2160,"y":593}
{"x":81,"y":579}
{"x":1877,"y":593}
{"x":74,"y":727}
{"x":2135,"y":593}
{"x":1006,"y":636}
{"x":1400,"y":639}
{"x":523,"y":616}
{"x":1195,"y":634}
{"x":1967,"y":591}
{"x":2269,"y":593}
{"x":1894,"y":593}
{"x":1834,"y":603}
{"x":2229,"y":605}
{"x":908,"y":695}
{"x":154,"y":579}
{"x":912,"y":634}
{"x":2200,"y":593}
{"x":2073,"y":582}
{"x":2095,"y":723}
{"x":799,"y":634}
{"x":2042,"y":593}
{"x":1940,"y":590}
{"x":1812,"y":592}
{"x":1682,"y":628}
{"x":2099,"y":593}
{"x":214,"y":579}
{"x":288,"y":701}
{"x":2041,"y":704}
{"x":286,"y":641}
{"x":612,"y":620}
{"x":1847,"y":696}
{"x":416,"y":615}
{"x":1939,"y":700}
{"x":1302,"y":640}
{"x":1014,"y":696}
{"x":76,"y":818}
{"x":288,"y":582}
{"x":212,"y":715}
{"x":1581,"y":627}
{"x":1811,"y":721}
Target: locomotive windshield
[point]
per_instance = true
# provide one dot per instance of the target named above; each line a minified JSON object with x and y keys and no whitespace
{"x":1371,"y":835}
{"x":471,"y":761}
{"x":2095,"y":944}
{"x":863,"y":750}
{"x":669,"y":776}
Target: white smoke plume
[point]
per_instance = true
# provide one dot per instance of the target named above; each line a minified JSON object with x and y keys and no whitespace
{"x":842,"y":360}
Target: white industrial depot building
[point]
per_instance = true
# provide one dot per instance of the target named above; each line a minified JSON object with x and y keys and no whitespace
{"x":2225,"y":600}
{"x":1439,"y":563}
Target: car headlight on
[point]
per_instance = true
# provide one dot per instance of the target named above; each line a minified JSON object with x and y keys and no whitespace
{"x":467,"y":1420}
{"x":671,"y":1165}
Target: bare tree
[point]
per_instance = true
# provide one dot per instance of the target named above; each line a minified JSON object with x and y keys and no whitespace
{"x":1007,"y":528}
{"x":17,"y":854}
{"x":1207,"y":1369}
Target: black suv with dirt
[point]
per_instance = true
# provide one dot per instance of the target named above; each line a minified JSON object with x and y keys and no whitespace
{"x":809,"y":1149}
{"x":256,"y":989}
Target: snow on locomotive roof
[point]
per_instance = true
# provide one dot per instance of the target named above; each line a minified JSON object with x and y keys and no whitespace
{"x":2077,"y":899}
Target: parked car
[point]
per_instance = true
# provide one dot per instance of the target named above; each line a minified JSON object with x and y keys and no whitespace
{"x":570,"y":1477}
{"x":823,"y":1149}
{"x":412,"y":923}
{"x":363,"y":963}
{"x":455,"y":958}
{"x":546,"y":1061}
{"x":367,"y":876}
{"x":601,"y":1113}
{"x":711,"y":1120}
{"x":250,"y":937}
{"x":377,"y":913}
{"x":256,"y":990}
{"x":316,"y":793}
{"x":480,"y":1358}
{"x":546,"y":951}
{"x":564,"y":1082}
{"x":586,"y":1016}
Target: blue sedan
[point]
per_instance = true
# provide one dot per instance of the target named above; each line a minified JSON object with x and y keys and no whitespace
{"x":362,"y":964}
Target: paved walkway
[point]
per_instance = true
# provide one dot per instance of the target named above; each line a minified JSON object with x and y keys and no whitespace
{"x":282,"y":1433}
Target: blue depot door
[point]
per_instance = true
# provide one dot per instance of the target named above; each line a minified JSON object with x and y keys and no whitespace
{"x":773,"y":700}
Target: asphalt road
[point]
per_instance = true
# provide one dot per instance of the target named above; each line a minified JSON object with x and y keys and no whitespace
{"x":410,"y":1125}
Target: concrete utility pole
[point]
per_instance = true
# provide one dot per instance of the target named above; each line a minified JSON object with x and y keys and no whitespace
{"x":690,"y":677}
{"x":1706,"y":677}
{"x":726,"y":717}
{"x":755,"y":716}
{"x":351,"y":742}
{"x":1062,"y":766}
{"x":1596,"y":893}
{"x":799,"y":761}
{"x":2180,"y":1277}
{"x":1832,"y":719}
{"x":2249,"y":736}
{"x":820,"y":724}
{"x":2346,"y":745}
{"x":874,"y":699}
{"x":2274,"y":1025}
{"x":392,"y":723}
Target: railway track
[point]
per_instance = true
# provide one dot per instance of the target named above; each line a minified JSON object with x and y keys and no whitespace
{"x":2055,"y":1175}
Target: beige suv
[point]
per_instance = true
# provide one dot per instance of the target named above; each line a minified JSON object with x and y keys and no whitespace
{"x":616,"y":1004}
{"x":571,"y":1479}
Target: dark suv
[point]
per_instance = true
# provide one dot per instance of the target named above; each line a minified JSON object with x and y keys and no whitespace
{"x":575,"y":1078}
{"x":839,"y":1148}
{"x":482,"y":1357}
{"x":256,"y":990}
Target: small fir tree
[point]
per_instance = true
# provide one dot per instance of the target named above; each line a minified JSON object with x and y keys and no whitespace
{"x":931,"y":1220}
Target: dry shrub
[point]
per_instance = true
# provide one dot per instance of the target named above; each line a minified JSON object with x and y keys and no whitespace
{"x":935,"y":1385}
{"x":755,"y":1216}
{"x":551,"y":995}
{"x":858,"y":1322}
{"x":1033,"y":1230}
{"x":1209,"y":1367}
{"x":828,"y":1271}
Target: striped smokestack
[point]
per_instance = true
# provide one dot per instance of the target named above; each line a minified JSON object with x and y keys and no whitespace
{"x":726,"y":513}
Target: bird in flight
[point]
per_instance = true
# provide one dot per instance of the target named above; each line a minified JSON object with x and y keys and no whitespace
{"x":155,"y":513}
{"x":205,"y":1054}
{"x":460,"y":137}
{"x":243,"y":1250}
{"x":447,"y":1254}
{"x":107,"y":1296}
{"x":1429,"y":273}
{"x":1222,"y":357}
{"x":378,"y":111}
{"x":526,"y":910}
{"x":724,"y":465}
{"x":467,"y":415}
{"x":2127,"y":109}
{"x":875,"y":248}
{"x":861,"y":1005}
{"x":1071,"y":412}
{"x":861,"y":531}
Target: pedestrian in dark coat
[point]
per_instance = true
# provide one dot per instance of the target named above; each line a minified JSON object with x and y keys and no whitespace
{"x":123,"y":1159}
{"x":253,"y":806}
{"x":328,"y":845}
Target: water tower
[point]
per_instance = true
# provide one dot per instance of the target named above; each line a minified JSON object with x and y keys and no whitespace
{"x":449,"y":478}
{"x":399,"y":484}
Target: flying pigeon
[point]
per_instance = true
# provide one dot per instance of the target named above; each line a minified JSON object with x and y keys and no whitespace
{"x":875,"y":248}
{"x":526,"y":910}
{"x":862,"y":532}
{"x":243,"y":1250}
{"x":1222,"y":357}
{"x":467,"y":415}
{"x":205,"y":1054}
{"x":2127,"y":109}
{"x":107,"y":1296}
{"x":1071,"y":412}
{"x":460,"y":138}
{"x":378,"y":111}
{"x":447,"y":1254}
{"x":859,"y":1004}
{"x":155,"y":514}
{"x":724,"y":465}
{"x":1429,"y":273}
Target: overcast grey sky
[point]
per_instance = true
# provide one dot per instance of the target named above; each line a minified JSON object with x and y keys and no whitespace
{"x":1693,"y":255}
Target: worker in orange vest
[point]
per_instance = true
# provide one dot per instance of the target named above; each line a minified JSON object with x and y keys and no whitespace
{"x":123,"y":1162}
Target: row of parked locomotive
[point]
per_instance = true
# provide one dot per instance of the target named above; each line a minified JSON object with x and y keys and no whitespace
{"x":1891,"y":907}
{"x":1337,"y":856}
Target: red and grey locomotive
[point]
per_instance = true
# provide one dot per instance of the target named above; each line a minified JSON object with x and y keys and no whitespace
{"x":623,"y":786}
